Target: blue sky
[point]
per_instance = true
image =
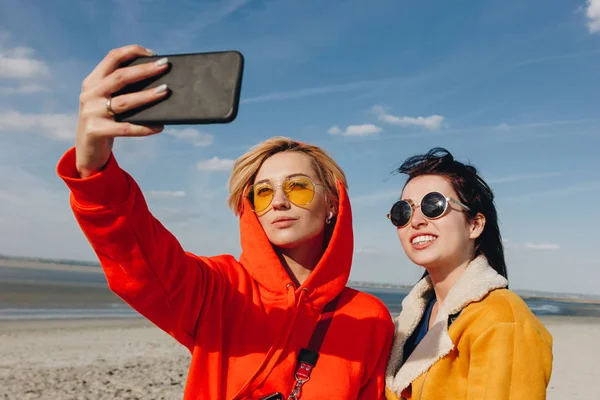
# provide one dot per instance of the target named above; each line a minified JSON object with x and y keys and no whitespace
{"x":511,"y":86}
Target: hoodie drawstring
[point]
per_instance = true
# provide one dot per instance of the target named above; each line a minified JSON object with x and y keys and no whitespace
{"x":275,"y":351}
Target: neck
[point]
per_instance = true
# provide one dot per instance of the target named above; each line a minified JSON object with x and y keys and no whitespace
{"x":301,"y":260}
{"x":443,"y":279}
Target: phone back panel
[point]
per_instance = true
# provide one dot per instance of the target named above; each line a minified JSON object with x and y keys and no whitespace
{"x":204,"y":89}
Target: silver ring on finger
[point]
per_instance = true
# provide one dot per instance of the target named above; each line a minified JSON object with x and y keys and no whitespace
{"x":109,"y":108}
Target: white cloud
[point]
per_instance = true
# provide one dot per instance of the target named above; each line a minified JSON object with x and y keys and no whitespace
{"x":509,"y":245}
{"x":312,"y":91}
{"x":362,"y":130}
{"x":593,"y":14}
{"x":192,"y":136}
{"x":504,"y":127}
{"x":542,"y":246}
{"x":355,"y":130}
{"x":55,"y":126}
{"x":215,"y":164}
{"x":164,"y":194}
{"x":555,"y":57}
{"x":334,"y":130}
{"x":530,"y":246}
{"x":431,"y":122}
{"x":19,"y":63}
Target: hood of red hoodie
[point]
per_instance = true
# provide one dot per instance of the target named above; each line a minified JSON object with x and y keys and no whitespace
{"x":328,"y":278}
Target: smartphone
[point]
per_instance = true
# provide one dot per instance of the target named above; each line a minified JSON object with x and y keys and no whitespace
{"x":204,"y":88}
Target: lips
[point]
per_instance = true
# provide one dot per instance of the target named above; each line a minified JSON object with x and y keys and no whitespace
{"x":283,"y":219}
{"x":422,"y":239}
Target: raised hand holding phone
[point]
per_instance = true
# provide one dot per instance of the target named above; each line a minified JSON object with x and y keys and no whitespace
{"x":134,"y":92}
{"x":96,"y":126}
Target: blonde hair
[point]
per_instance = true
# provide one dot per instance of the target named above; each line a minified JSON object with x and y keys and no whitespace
{"x":246,"y":167}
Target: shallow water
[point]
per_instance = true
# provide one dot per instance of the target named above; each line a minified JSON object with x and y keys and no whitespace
{"x":539,"y":306}
{"x":28,"y":293}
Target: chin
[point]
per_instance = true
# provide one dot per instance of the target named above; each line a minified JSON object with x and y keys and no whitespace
{"x":285,"y":245}
{"x":423,"y":262}
{"x":289,"y":239}
{"x":424,"y":258}
{"x":284,"y":242}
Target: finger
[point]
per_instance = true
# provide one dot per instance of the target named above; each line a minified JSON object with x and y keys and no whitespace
{"x":126,"y":102}
{"x":134,"y":130}
{"x":124,"y":76}
{"x":113,"y":60}
{"x":110,"y":129}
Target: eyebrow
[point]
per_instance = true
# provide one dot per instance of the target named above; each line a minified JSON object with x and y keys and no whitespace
{"x":286,"y":177}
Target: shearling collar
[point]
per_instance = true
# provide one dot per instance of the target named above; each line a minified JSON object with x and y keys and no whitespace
{"x":477,"y":281}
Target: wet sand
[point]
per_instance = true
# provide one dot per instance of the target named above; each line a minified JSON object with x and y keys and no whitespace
{"x":56,"y":295}
{"x":132,"y":359}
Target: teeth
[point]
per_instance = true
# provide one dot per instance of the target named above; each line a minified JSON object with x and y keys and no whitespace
{"x":423,"y":239}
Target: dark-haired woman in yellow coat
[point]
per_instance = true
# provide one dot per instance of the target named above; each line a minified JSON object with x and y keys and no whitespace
{"x":462,"y":334}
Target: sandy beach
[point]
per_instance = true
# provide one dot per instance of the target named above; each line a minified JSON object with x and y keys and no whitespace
{"x":132,"y":359}
{"x":89,"y":359}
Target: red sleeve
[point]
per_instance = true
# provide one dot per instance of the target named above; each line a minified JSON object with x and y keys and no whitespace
{"x":143,"y":262}
{"x":374,"y":388}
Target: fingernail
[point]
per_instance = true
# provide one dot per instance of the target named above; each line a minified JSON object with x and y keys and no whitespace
{"x":161,"y":88}
{"x":162,"y":61}
{"x":151,"y":52}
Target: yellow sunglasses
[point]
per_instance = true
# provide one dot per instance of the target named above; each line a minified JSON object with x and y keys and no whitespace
{"x":298,"y":189}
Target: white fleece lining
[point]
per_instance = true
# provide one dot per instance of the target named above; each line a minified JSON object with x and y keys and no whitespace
{"x":476,"y":282}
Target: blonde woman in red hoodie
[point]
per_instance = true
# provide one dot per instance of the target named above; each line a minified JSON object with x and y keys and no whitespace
{"x":278,"y":323}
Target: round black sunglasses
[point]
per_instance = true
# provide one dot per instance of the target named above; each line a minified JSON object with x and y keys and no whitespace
{"x":433,"y":206}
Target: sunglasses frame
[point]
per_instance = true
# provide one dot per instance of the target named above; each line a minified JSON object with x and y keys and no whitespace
{"x":414,"y":206}
{"x":280,"y":186}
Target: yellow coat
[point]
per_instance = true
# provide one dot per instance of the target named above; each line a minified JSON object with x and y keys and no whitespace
{"x":494,"y":349}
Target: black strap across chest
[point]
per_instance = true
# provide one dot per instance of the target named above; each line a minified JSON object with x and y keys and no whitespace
{"x":311,"y":353}
{"x":308,"y":357}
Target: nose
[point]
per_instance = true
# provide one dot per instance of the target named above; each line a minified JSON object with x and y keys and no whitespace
{"x":280,"y":201}
{"x":418,"y":219}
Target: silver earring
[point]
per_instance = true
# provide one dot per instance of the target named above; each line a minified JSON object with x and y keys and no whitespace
{"x":329,"y":218}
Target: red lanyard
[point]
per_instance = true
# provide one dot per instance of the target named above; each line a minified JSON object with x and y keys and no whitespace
{"x":308,"y":357}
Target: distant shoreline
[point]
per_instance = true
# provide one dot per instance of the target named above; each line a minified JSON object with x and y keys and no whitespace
{"x":577,"y":298}
{"x":66,"y":265}
{"x":59,"y":261}
{"x":24,"y":297}
{"x":32,"y":264}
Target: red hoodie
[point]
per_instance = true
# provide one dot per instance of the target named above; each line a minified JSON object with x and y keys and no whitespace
{"x":244,"y":322}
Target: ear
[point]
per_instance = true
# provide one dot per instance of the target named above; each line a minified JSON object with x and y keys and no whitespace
{"x":331,"y":209}
{"x":476,"y":225}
